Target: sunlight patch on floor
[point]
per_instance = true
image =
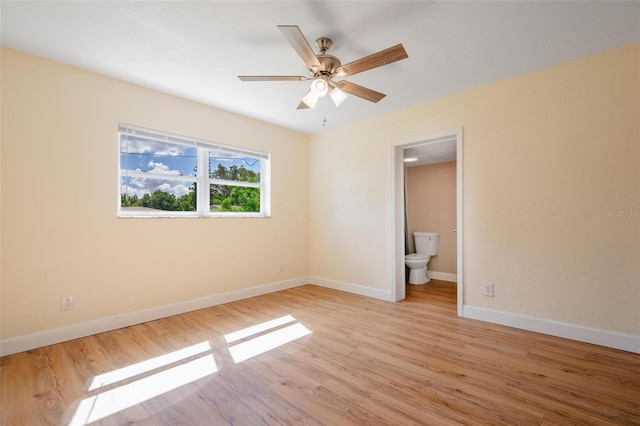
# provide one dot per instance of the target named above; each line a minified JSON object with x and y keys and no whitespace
{"x":115,"y":399}
{"x":256,"y":329}
{"x":120,"y":389}
{"x":145,"y":366}
{"x":266,"y":342}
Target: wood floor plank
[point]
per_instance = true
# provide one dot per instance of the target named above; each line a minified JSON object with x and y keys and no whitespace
{"x":363,"y":362}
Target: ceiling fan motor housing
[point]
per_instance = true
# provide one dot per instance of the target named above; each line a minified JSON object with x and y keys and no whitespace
{"x":329,"y":65}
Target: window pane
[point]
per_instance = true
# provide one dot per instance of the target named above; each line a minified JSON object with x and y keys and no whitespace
{"x":233,"y":167}
{"x":163,"y":158}
{"x":226,"y":198}
{"x":145,"y":194}
{"x":163,"y":175}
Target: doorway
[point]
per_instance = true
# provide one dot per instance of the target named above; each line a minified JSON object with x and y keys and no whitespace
{"x":398,"y":289}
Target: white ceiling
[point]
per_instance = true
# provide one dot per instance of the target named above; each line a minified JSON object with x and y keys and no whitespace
{"x":432,"y":151}
{"x":196,"y":49}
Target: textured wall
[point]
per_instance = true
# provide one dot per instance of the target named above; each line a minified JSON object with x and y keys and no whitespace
{"x":60,"y":233}
{"x":547,"y":157}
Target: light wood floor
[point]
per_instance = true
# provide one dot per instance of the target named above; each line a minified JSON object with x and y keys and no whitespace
{"x":364,"y":362}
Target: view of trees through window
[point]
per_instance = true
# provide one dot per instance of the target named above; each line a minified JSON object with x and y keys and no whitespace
{"x":161,"y":175}
{"x":225,"y":198}
{"x":231,"y":198}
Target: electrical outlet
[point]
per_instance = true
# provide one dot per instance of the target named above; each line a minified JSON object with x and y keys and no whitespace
{"x":66,"y":303}
{"x":281,"y":268}
{"x":487,"y":289}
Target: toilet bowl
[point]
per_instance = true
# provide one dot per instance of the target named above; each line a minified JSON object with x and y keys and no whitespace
{"x":417,"y":264}
{"x":426,"y":246}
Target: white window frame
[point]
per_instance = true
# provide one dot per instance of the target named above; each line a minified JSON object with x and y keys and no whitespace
{"x":202,"y":179}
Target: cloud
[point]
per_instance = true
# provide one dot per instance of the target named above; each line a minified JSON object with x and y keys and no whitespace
{"x":140,"y":186}
{"x":133,"y":145}
{"x":131,"y":191}
{"x":180,"y":190}
{"x":161,"y":169}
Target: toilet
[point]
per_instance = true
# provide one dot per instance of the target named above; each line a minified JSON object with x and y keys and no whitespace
{"x":427,"y":244}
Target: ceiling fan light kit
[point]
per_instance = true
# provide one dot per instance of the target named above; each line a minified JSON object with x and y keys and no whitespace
{"x":323,"y":67}
{"x":310,"y":100}
{"x":319,"y":86}
{"x":337,"y":95}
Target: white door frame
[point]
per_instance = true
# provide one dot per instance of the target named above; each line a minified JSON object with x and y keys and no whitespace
{"x":398,"y":290}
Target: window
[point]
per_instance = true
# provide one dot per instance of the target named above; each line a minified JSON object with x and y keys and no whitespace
{"x":168,"y":175}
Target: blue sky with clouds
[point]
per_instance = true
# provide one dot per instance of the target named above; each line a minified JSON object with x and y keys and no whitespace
{"x":163,"y":162}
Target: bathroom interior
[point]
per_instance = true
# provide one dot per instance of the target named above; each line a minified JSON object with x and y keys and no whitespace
{"x":430,"y":212}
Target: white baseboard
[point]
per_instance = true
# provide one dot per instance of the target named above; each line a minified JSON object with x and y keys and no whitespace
{"x":361,"y":290}
{"x":443,"y":276}
{"x":75,"y":331}
{"x":610,"y":339}
{"x":625,"y":342}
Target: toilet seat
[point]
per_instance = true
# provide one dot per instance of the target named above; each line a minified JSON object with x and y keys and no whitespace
{"x":416,"y":256}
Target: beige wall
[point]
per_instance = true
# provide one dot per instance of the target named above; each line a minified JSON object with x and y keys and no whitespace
{"x":546,"y":156}
{"x":60,"y":233}
{"x":431,"y":207}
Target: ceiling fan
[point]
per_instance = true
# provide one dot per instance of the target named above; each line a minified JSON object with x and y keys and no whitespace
{"x":323,"y":67}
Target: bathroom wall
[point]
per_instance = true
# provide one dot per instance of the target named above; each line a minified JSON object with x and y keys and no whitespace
{"x":431,"y":207}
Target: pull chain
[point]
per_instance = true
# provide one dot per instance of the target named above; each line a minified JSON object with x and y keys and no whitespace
{"x":324,"y":112}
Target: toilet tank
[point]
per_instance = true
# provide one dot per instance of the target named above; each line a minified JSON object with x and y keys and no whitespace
{"x":427,"y":242}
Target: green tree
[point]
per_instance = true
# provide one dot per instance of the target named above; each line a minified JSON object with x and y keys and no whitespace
{"x":188,"y":201}
{"x":161,"y":200}
{"x":249,"y":199}
{"x":226,"y":205}
{"x":220,"y":172}
{"x":235,"y":198}
{"x":145,"y":201}
{"x":129,"y":200}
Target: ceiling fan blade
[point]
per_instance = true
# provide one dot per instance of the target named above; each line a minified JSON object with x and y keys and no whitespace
{"x":384,"y":57}
{"x":360,"y":91}
{"x":302,"y":105}
{"x":300,"y":44}
{"x":273,"y":78}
